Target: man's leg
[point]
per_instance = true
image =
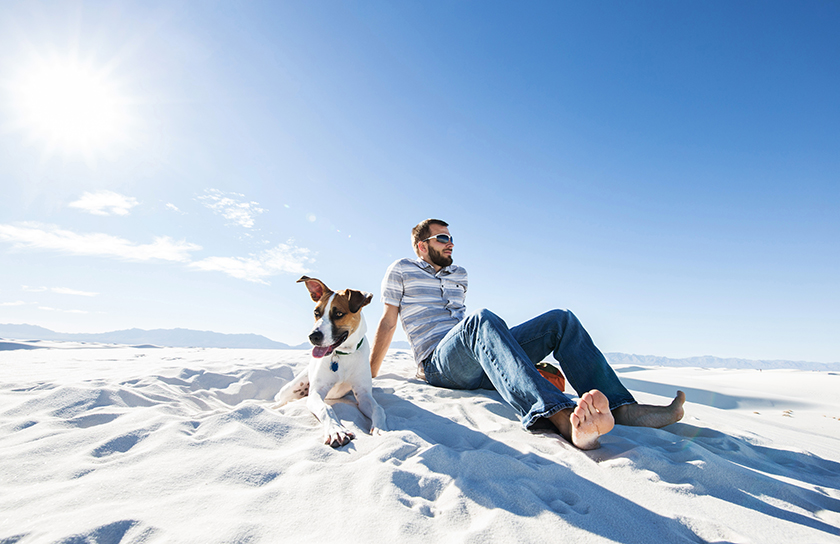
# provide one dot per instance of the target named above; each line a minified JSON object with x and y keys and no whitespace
{"x":480,"y":352}
{"x":560,"y":333}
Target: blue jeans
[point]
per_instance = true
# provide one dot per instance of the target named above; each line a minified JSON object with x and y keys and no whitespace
{"x":482,"y":353}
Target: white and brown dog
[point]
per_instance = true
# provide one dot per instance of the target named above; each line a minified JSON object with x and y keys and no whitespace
{"x":340,"y":362}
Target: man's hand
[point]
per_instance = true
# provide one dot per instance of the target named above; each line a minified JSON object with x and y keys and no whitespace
{"x":383,"y":337}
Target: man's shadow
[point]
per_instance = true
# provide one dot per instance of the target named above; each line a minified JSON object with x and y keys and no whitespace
{"x":494,"y":475}
{"x":748,"y":484}
{"x":734,"y":470}
{"x":527,"y":484}
{"x":530,"y":484}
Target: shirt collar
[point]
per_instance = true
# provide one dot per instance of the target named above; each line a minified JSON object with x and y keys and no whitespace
{"x":431,"y":269}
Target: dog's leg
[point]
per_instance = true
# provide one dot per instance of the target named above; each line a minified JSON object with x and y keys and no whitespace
{"x":335,"y":434}
{"x":372,"y":409}
{"x":295,"y":389}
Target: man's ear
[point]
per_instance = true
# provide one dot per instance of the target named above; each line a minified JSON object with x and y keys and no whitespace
{"x":357,"y":299}
{"x":316,"y":287}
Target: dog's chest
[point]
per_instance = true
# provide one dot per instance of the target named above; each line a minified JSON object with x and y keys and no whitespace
{"x":340,"y":366}
{"x":339,"y":369}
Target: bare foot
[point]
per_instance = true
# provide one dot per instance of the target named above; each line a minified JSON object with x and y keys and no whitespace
{"x":584,"y":425}
{"x":645,"y":415}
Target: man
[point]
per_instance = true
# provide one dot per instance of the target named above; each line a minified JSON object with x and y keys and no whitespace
{"x":479,"y":351}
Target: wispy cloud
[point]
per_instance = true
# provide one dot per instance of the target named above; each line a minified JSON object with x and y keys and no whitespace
{"x":59,"y":290}
{"x":15,"y":303}
{"x":30,"y":289}
{"x":47,"y":308}
{"x":239,"y":212}
{"x":105,"y":203}
{"x":74,"y":292}
{"x":282,"y":258}
{"x":50,"y":237}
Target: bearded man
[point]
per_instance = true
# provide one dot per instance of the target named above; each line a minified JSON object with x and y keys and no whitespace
{"x":478,"y":351}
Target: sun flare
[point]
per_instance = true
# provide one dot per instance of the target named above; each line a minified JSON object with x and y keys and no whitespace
{"x":70,"y":107}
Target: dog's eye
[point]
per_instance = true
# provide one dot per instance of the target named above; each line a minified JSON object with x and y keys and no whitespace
{"x":318,"y":314}
{"x":338,"y":315}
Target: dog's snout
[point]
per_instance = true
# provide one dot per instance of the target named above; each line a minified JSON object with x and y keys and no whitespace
{"x":316,"y":337}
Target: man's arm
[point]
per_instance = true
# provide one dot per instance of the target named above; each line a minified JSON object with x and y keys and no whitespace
{"x":383,"y":337}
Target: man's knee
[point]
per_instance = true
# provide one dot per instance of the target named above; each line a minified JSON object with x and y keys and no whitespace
{"x":560,"y":322}
{"x":484,"y":317}
{"x":563,"y":317}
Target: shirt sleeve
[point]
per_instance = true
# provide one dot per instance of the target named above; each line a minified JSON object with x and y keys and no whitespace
{"x":392,"y":286}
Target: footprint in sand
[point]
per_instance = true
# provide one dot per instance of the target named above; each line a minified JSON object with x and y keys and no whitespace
{"x":569,"y":502}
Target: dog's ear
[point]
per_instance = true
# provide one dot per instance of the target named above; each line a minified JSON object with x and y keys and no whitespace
{"x":357,"y":299}
{"x":316,"y":287}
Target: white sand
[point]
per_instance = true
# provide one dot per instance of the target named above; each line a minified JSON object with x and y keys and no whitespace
{"x":126,"y":445}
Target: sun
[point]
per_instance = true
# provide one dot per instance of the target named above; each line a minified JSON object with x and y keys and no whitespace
{"x":70,"y":107}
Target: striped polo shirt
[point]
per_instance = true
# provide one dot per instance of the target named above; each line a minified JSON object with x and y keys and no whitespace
{"x":430,"y":303}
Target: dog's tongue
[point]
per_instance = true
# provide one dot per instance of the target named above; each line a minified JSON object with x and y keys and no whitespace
{"x":322,"y":351}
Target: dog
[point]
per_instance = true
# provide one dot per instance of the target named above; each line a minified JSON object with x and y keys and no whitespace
{"x":340,"y":362}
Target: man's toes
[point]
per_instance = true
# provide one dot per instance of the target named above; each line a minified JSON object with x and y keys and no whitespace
{"x":597,"y":400}
{"x":581,"y":413}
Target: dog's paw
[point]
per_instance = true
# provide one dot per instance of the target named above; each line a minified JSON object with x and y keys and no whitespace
{"x":338,"y":437}
{"x":292,"y":391}
{"x":378,"y":431}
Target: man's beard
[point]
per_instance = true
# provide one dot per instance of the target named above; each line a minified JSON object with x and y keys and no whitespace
{"x":439,"y":258}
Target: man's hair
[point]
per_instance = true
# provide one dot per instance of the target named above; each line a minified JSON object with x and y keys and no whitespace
{"x":423,"y":230}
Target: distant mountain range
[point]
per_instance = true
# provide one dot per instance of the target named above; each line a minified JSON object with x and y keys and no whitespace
{"x":186,"y":338}
{"x":708,"y":361}
{"x":173,"y":338}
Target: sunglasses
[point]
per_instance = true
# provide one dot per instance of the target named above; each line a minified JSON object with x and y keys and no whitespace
{"x":442,"y":238}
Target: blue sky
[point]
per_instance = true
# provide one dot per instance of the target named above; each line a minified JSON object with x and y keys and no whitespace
{"x":667,"y":170}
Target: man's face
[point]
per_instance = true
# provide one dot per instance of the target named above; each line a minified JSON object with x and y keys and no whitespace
{"x":439,"y":254}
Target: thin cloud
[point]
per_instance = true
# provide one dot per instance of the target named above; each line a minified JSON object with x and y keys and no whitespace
{"x":59,"y":290}
{"x":174,"y":208}
{"x":105,"y":203}
{"x":15,"y":303}
{"x":47,"y":308}
{"x":74,"y":292}
{"x":50,"y":237}
{"x":30,"y":289}
{"x":284,"y":258}
{"x":238,"y":212}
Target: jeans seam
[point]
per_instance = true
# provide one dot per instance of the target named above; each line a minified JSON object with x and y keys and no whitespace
{"x":548,"y":412}
{"x":492,"y":360}
{"x":620,"y":403}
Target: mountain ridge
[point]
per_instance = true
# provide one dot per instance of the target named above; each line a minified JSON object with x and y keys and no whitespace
{"x":188,"y":338}
{"x":175,"y":338}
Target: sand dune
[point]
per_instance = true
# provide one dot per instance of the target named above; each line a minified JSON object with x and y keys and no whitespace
{"x":183,"y":445}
